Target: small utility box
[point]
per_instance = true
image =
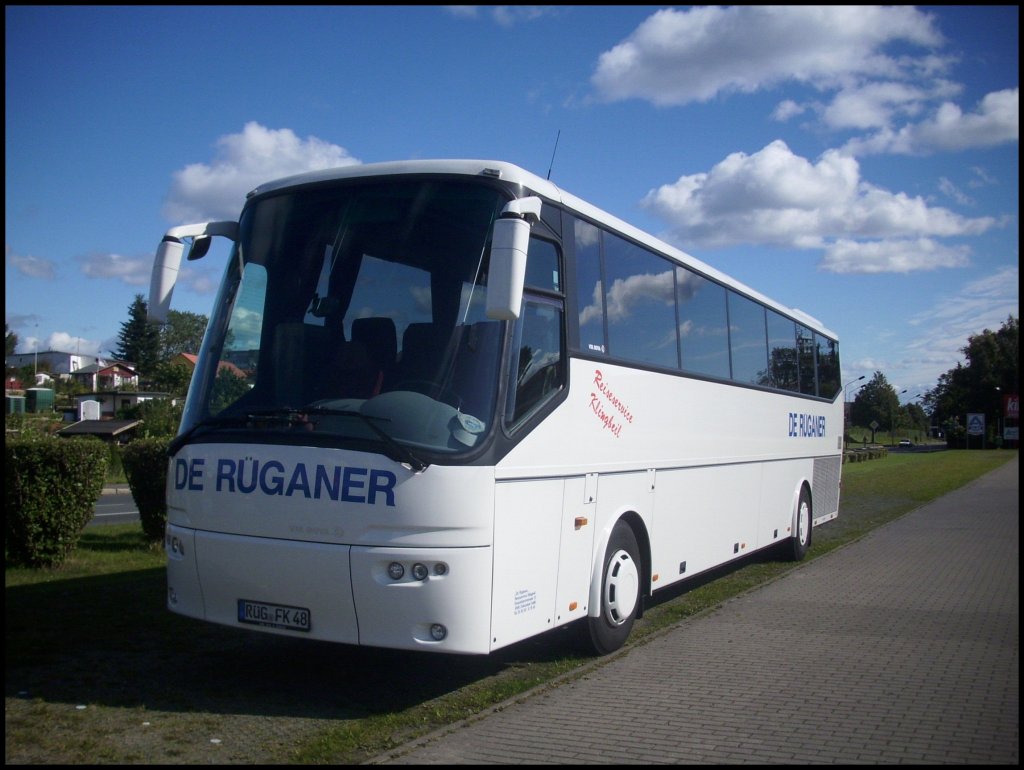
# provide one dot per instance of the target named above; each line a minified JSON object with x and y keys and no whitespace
{"x":39,"y":400}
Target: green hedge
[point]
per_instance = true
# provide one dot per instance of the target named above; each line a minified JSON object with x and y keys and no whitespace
{"x":865,"y":453}
{"x":145,"y":467}
{"x":51,"y":486}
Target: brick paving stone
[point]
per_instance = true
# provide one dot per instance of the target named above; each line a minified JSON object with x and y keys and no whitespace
{"x":900,"y":648}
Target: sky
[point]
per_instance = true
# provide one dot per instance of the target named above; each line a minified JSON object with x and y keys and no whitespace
{"x":858,"y":163}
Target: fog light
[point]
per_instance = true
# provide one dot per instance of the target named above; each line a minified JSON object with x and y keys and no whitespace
{"x":419,"y":571}
{"x":395,"y":570}
{"x":438,"y":632}
{"x":440,"y":568}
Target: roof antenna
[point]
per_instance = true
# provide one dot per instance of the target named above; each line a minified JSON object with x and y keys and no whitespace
{"x":553,"y":153}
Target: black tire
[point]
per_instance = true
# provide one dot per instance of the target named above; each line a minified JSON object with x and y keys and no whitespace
{"x":620,"y":592}
{"x":800,"y":543}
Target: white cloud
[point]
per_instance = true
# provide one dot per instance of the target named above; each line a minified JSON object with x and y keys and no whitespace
{"x":29,"y":266}
{"x":872,"y":105}
{"x":986,"y":301}
{"x":892,"y":256}
{"x":950,"y":189}
{"x":134,"y":271}
{"x":69,"y":343}
{"x":774,"y":197}
{"x":981,"y":178}
{"x":982,"y":304}
{"x":995,"y":122}
{"x":680,"y":56}
{"x":503,"y":15}
{"x":202,"y":192}
{"x":937,"y":336}
{"x":787,"y":109}
{"x":677,"y":57}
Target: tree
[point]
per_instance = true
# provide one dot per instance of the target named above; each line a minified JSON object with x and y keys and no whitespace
{"x":227,"y":388}
{"x":139,"y":339}
{"x":10,"y":341}
{"x":992,"y":370}
{"x":160,"y":416}
{"x":916,"y":417}
{"x":876,"y":402}
{"x":172,"y":376}
{"x":183,"y":333}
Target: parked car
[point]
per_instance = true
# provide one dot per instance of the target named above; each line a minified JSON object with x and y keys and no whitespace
{"x":906,"y":442}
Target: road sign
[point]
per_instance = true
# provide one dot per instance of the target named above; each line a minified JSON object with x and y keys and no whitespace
{"x":975,"y":425}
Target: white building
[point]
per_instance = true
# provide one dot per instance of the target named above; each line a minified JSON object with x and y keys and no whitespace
{"x":55,"y":361}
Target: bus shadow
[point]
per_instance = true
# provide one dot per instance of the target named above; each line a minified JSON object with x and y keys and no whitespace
{"x":110,"y":641}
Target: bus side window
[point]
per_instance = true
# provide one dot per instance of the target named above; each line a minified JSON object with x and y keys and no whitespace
{"x":538,"y":369}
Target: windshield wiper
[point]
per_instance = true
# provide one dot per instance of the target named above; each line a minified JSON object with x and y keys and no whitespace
{"x":210,"y":422}
{"x":399,"y":452}
{"x":293,"y":416}
{"x":287,"y":415}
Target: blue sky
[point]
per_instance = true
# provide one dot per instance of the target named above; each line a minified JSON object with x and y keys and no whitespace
{"x":860,"y":163}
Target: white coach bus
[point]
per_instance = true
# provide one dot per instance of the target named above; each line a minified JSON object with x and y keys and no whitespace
{"x":444,"y":405}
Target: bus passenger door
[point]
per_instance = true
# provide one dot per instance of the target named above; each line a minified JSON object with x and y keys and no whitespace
{"x":576,"y":548}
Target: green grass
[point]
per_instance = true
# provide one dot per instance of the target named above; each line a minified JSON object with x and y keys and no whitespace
{"x":106,"y":550}
{"x":96,"y":631}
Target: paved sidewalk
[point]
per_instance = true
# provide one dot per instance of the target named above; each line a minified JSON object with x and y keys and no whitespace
{"x":900,"y":648}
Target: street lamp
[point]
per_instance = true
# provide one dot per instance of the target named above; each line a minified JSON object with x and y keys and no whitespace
{"x":846,"y":402}
{"x":911,"y":400}
{"x":999,"y":417}
{"x":849,"y":384}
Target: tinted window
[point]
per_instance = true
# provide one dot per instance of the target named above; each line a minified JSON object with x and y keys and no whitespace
{"x":704,"y":337}
{"x":640,"y":304}
{"x":747,"y":340}
{"x":805,"y":360}
{"x":590,"y":287}
{"x":538,"y":370}
{"x":828,"y":367}
{"x":542,"y":266}
{"x":782,"y":365}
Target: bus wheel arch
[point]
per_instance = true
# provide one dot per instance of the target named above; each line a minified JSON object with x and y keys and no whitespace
{"x":803,"y":516}
{"x":622,"y":578}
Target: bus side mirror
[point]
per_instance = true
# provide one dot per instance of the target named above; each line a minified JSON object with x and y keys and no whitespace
{"x":200,"y":245}
{"x":510,"y":242}
{"x":168,"y":260}
{"x":165,"y":275}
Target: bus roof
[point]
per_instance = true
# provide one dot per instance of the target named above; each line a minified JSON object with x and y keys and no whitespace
{"x":511,"y":173}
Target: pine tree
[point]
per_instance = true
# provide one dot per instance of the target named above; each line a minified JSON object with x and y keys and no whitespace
{"x":10,"y":340}
{"x":139,"y":339}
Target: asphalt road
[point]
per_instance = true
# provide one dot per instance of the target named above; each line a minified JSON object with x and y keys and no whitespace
{"x":115,"y":506}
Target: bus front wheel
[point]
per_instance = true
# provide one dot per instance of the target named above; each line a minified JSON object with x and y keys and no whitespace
{"x":800,"y":543}
{"x":620,"y":592}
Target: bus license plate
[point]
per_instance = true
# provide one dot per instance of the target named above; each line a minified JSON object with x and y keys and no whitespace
{"x":274,"y":615}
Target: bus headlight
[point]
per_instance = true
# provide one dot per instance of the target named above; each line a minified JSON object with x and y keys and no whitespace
{"x":420,"y":571}
{"x":438,"y":632}
{"x":395,"y":571}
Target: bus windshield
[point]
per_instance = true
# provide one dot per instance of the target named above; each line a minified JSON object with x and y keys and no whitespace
{"x":354,"y":314}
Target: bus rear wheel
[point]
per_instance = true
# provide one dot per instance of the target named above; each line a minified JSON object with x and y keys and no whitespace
{"x":620,"y":592}
{"x":800,"y":543}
